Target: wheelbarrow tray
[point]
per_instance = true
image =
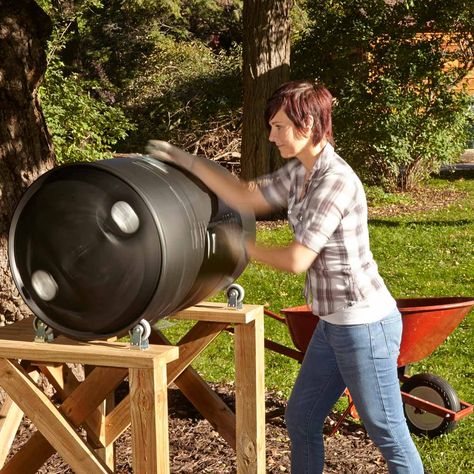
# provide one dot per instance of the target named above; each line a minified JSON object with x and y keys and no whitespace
{"x":427,"y":322}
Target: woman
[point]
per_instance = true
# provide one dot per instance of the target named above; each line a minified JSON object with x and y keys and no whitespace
{"x":357,"y":340}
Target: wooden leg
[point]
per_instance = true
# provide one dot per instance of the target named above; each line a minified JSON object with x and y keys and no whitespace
{"x":149,"y":416}
{"x":198,"y":392}
{"x":250,"y":397}
{"x":107,"y":452}
{"x":64,"y":382}
{"x":117,"y":421}
{"x":82,"y":402}
{"x":46,"y":417}
{"x":96,"y":428}
{"x":10,"y":419}
{"x":191,"y":384}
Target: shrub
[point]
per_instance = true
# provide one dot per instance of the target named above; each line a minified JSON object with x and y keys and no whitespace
{"x":189,"y":95}
{"x":83,"y":127}
{"x":84,"y":122}
{"x":395,"y":69}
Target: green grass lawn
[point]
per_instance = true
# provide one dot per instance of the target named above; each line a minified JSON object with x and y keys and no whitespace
{"x":419,"y":254}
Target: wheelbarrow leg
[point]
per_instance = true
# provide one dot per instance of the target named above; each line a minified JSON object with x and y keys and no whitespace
{"x":342,"y":418}
{"x":350,"y":410}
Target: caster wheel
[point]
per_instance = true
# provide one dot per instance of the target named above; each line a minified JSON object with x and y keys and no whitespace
{"x":235,"y":295}
{"x":436,"y":390}
{"x":144,"y":328}
{"x":37,"y":323}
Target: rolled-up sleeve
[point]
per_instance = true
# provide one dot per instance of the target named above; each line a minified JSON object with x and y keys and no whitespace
{"x":329,"y":201}
{"x":275,"y":187}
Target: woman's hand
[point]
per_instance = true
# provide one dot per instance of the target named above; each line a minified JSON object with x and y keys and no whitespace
{"x":165,"y":151}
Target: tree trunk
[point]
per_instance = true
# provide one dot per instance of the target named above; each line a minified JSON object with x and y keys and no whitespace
{"x":25,"y":144}
{"x":266,"y":65}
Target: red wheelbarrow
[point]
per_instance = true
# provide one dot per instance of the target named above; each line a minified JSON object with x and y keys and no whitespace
{"x":431,"y":405}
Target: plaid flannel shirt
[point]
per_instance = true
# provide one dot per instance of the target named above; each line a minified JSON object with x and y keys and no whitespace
{"x":328,"y":214}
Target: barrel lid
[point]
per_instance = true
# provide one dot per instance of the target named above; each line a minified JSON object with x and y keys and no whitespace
{"x":84,"y":251}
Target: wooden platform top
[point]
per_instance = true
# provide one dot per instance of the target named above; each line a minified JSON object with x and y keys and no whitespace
{"x":17,"y":342}
{"x":219,"y":313}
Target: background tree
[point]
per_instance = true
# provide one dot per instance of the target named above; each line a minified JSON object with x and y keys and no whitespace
{"x":395,"y":69}
{"x":266,"y":65}
{"x":25,"y":144}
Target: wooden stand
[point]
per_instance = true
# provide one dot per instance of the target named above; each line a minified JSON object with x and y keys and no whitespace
{"x":145,"y":408}
{"x":111,"y":362}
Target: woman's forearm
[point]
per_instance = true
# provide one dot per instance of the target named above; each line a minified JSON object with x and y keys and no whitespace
{"x":234,"y":192}
{"x":293,"y":258}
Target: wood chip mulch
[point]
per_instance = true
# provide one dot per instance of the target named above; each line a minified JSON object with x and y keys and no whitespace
{"x":422,"y":200}
{"x":196,"y":448}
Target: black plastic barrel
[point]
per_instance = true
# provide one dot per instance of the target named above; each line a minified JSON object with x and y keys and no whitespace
{"x":96,"y":247}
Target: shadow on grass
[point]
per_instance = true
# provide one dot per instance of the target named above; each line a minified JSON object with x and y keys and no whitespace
{"x":453,"y":174}
{"x":390,"y":223}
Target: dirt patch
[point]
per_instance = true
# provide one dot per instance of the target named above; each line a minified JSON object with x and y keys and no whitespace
{"x":467,"y":156}
{"x":196,"y":448}
{"x":421,"y":201}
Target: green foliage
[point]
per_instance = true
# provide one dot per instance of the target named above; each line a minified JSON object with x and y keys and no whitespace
{"x":112,"y":42}
{"x":172,"y":67}
{"x":379,"y":197}
{"x":300,"y":22}
{"x":188,"y":91}
{"x":84,"y":125}
{"x":395,"y":70}
{"x":203,"y":19}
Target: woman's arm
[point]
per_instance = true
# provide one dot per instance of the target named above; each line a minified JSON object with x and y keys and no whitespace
{"x":235,"y":193}
{"x":293,"y":258}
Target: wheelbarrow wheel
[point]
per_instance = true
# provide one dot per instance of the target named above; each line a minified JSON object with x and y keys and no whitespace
{"x":436,"y":390}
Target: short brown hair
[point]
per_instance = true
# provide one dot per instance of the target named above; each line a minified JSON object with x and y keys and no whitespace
{"x":300,"y":100}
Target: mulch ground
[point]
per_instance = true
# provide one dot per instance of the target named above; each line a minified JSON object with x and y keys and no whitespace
{"x":423,"y":200}
{"x":196,"y":448}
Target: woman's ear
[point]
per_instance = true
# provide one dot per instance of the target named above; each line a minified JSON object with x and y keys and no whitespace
{"x":309,"y":122}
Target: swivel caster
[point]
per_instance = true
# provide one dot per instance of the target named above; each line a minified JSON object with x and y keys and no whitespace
{"x":235,"y":296}
{"x":43,"y":333}
{"x":139,"y":335}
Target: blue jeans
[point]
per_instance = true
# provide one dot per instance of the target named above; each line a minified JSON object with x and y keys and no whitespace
{"x":363,"y":358}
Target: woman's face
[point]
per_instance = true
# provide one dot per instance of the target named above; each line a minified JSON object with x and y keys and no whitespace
{"x":290,"y":141}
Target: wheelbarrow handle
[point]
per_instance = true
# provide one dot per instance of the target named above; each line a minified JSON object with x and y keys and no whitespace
{"x":274,"y":316}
